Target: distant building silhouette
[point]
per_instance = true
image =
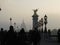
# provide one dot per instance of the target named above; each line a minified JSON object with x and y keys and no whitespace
{"x":23,"y":25}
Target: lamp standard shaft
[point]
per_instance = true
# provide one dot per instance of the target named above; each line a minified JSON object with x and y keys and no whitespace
{"x":42,"y":28}
{"x":45,"y":29}
{"x":45,"y":22}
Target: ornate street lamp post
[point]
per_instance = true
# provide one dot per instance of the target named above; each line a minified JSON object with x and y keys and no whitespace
{"x":10,"y":21}
{"x":45,"y":22}
{"x":42,"y":24}
{"x":14,"y":26}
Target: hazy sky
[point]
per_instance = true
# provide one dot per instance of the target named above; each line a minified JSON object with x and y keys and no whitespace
{"x":21,"y":10}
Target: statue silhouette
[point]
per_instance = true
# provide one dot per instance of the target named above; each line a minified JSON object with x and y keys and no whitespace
{"x":35,"y":11}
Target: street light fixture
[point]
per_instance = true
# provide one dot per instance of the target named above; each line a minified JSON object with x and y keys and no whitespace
{"x":42,"y":24}
{"x":45,"y":22}
{"x":10,"y":21}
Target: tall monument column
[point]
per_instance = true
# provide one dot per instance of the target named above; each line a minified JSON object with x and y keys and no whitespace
{"x":35,"y":19}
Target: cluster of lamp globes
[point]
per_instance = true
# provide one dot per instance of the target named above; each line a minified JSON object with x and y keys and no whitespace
{"x":41,"y":22}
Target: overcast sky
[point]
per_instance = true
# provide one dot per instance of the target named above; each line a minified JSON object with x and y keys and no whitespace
{"x":21,"y":10}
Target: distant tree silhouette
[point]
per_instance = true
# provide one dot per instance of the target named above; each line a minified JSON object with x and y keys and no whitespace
{"x":49,"y":33}
{"x":35,"y":36}
{"x":11,"y":36}
{"x":2,"y":36}
{"x":21,"y":37}
{"x":58,"y":35}
{"x":30,"y":35}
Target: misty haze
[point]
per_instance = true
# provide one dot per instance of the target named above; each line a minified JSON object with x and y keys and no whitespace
{"x":29,"y":22}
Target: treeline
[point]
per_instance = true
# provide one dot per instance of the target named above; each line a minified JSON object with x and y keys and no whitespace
{"x":19,"y":38}
{"x":33,"y":37}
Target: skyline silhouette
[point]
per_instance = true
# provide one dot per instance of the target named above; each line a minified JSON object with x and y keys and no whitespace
{"x":29,"y":22}
{"x":20,"y":9}
{"x":11,"y":23}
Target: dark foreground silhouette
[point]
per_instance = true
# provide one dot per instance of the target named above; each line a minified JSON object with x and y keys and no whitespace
{"x":19,"y":38}
{"x":33,"y":37}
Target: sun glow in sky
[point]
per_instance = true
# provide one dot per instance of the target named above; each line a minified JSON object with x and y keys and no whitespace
{"x":21,"y":10}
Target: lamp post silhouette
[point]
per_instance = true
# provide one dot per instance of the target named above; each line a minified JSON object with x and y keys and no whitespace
{"x":42,"y":23}
{"x":45,"y":22}
{"x":10,"y":21}
{"x":14,"y":26}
